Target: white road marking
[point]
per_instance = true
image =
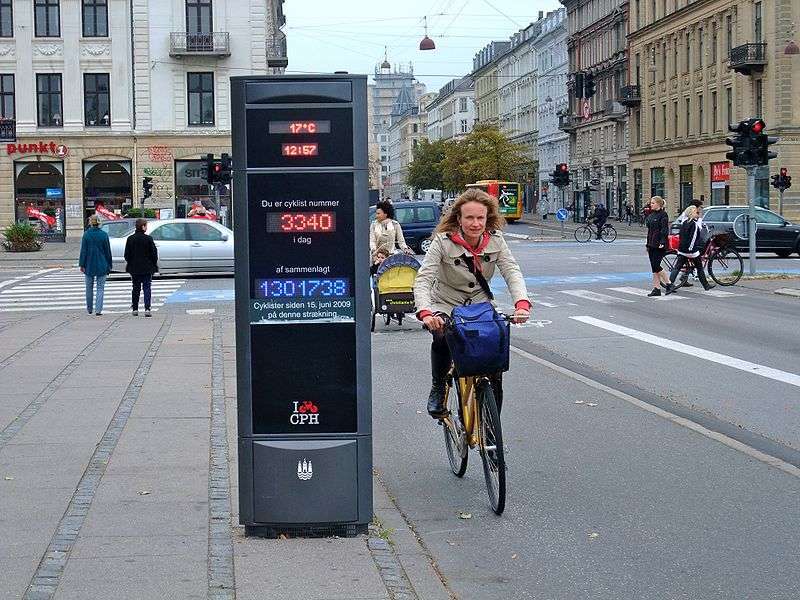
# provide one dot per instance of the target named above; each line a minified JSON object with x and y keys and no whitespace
{"x":82,"y":306}
{"x":695,"y":352}
{"x":596,"y":297}
{"x":16,"y":280}
{"x":787,"y":468}
{"x":640,"y":292}
{"x":695,"y":289}
{"x":200,"y":311}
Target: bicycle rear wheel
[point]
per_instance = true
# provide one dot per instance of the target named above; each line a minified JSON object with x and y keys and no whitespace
{"x":491,"y":447}
{"x":726,"y":266}
{"x":583,"y":234}
{"x":455,"y":439}
{"x":608,"y":234}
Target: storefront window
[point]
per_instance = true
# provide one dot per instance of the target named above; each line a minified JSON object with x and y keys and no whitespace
{"x":107,"y":189}
{"x":687,"y":186}
{"x":720,"y":178}
{"x":657,"y":182}
{"x":39,"y":198}
{"x":195,"y":198}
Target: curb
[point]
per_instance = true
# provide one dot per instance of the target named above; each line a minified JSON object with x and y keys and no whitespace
{"x":787,"y":292}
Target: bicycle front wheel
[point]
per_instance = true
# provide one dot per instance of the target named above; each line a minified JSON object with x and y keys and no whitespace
{"x":583,"y":234}
{"x":455,"y":439}
{"x":491,"y":447}
{"x":726,"y":266}
{"x":608,"y":234}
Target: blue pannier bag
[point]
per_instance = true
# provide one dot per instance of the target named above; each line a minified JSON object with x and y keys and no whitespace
{"x":478,"y":338}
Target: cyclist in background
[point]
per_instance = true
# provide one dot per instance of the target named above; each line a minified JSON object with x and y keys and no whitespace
{"x":600,"y":217}
{"x":466,"y":248}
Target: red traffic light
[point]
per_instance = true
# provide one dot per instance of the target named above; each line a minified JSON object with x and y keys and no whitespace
{"x":758,"y":126}
{"x":564,"y":168}
{"x":784,"y":172}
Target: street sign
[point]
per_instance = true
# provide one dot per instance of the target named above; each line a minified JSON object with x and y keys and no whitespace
{"x":562,"y":214}
{"x":740,"y":227}
{"x":53,"y":192}
{"x":302,"y":304}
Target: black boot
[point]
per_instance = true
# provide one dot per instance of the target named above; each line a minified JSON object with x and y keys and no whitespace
{"x":701,"y":275}
{"x":440,"y":367}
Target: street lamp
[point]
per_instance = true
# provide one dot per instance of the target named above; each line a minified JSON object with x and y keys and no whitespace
{"x":426,"y":43}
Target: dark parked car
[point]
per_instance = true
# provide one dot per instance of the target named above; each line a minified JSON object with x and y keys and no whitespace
{"x":773,"y":232}
{"x":418,"y":220}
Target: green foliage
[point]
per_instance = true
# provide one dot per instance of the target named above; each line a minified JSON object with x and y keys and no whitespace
{"x":485,"y":153}
{"x":135,"y":213}
{"x":21,"y":237}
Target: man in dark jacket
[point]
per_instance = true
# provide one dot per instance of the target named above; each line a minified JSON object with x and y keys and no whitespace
{"x":141,"y":256}
{"x":95,"y":263}
{"x":600,"y":217}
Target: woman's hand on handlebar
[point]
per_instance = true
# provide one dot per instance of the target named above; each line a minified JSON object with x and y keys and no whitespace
{"x":520,"y":315}
{"x":433,"y":323}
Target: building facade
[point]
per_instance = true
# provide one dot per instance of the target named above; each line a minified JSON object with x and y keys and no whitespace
{"x":597,"y":126}
{"x":451,"y":112}
{"x":553,"y":144}
{"x":485,"y":75}
{"x":106,"y":92}
{"x":408,"y":127}
{"x":696,"y":69}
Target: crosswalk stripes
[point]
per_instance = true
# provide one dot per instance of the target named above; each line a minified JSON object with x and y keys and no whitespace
{"x":65,"y":290}
{"x":640,"y":292}
{"x":596,"y":297}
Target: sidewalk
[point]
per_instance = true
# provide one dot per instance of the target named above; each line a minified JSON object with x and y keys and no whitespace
{"x":53,"y":254}
{"x":118,"y":475}
{"x":552,"y":227}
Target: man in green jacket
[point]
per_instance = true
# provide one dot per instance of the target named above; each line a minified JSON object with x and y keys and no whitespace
{"x":95,"y":263}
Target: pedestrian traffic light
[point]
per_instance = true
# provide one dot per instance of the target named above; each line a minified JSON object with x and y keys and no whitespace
{"x":761,"y":142}
{"x":226,"y":169}
{"x":212,"y":169}
{"x":782,"y":181}
{"x":147,"y":187}
{"x":588,"y":85}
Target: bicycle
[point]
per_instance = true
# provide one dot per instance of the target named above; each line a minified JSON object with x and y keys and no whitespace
{"x":583,"y":234}
{"x":721,"y":260}
{"x":472,"y":420}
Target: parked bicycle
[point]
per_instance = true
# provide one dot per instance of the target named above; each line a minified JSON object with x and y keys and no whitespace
{"x":588,"y":231}
{"x":720,"y":259}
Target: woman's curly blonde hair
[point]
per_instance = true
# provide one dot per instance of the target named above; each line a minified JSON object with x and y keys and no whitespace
{"x":494,"y":220}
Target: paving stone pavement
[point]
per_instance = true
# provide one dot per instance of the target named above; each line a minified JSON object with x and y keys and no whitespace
{"x":118,"y":476}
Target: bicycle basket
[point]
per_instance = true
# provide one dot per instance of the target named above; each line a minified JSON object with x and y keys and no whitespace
{"x":479,"y":339}
{"x":721,"y":239}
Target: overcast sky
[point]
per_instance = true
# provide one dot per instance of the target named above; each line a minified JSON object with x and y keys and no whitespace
{"x":350,"y":35}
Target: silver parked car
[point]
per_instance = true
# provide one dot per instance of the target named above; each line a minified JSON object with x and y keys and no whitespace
{"x":184,"y":246}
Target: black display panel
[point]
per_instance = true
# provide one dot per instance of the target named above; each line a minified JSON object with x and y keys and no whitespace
{"x":302,"y":242}
{"x":275,"y":137}
{"x":304,"y":378}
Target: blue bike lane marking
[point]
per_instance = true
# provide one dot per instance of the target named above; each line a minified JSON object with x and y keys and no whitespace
{"x":189,"y":296}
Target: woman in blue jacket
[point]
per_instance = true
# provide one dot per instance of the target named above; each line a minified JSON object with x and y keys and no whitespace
{"x":95,"y":264}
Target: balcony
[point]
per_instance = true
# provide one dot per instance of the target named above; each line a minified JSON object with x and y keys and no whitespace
{"x":199,"y":44}
{"x":8,"y":130}
{"x":630,"y":95}
{"x":568,"y":123}
{"x":616,"y":111}
{"x":747,"y":58}
{"x":276,"y":53}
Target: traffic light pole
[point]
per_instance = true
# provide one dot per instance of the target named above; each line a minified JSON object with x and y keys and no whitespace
{"x":751,"y":219}
{"x":780,"y":201}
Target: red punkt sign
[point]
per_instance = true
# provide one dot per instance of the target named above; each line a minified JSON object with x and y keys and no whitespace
{"x":60,"y":150}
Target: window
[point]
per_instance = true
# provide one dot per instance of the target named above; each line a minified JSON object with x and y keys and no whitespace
{"x":170,"y":232}
{"x":729,"y":105}
{"x":688,"y":53}
{"x":425,"y":213}
{"x":768,"y":218}
{"x":464,"y":126}
{"x":638,"y":126}
{"x":700,"y":47}
{"x":757,"y":21}
{"x":198,"y":16}
{"x":7,"y":108}
{"x":653,"y":137}
{"x":657,"y":182}
{"x":462,"y":105}
{"x":664,"y":119}
{"x":675,"y":119}
{"x":95,"y":18}
{"x":201,"y":98}
{"x":688,"y":115}
{"x":676,"y":60}
{"x":47,"y":18}
{"x":48,"y":96}
{"x":759,"y":91}
{"x":414,"y":128}
{"x":728,"y":34}
{"x":638,"y":69}
{"x":714,"y":110}
{"x":638,"y":14}
{"x":700,"y":114}
{"x":6,"y":18}
{"x":203,"y":232}
{"x":664,"y":61}
{"x":96,"y":100}
{"x":714,"y":45}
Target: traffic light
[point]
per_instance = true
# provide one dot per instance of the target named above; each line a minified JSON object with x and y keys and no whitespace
{"x":578,"y":85}
{"x":226,"y":169}
{"x":147,"y":187}
{"x":560,"y":175}
{"x":761,"y":142}
{"x":588,"y":85}
{"x":212,"y":169}
{"x":740,"y":155}
{"x":782,"y":181}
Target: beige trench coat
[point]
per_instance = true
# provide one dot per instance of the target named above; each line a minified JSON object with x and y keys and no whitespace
{"x":387,"y":235}
{"x":444,"y":281}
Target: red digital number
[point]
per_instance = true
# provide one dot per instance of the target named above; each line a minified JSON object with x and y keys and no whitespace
{"x":303,"y":127}
{"x":300,"y":149}
{"x":302,"y":222}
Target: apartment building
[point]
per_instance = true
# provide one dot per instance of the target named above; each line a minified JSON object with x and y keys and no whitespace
{"x":695,"y":68}
{"x":550,"y":49}
{"x":485,"y":75}
{"x":408,"y":127}
{"x":451,"y":112}
{"x":98,"y":94}
{"x":598,"y":126}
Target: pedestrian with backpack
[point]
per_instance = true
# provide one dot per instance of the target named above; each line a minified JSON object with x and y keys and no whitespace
{"x":466,"y":249}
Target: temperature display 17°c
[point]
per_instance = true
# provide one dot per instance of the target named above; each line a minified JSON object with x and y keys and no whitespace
{"x":305,"y":287}
{"x":299,"y":127}
{"x":301,"y":222}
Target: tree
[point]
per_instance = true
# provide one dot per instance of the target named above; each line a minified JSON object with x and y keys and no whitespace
{"x":488,"y":154}
{"x":425,"y":170}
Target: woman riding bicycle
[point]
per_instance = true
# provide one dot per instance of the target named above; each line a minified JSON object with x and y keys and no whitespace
{"x":466,"y":248}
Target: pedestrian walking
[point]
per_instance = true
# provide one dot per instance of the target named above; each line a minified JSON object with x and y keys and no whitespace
{"x":704,"y":237}
{"x":628,"y":213}
{"x":385,"y":232}
{"x":657,"y":233}
{"x":141,"y":256}
{"x":691,"y":239}
{"x":95,"y":264}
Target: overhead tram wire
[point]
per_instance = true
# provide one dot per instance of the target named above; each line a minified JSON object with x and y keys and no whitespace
{"x":492,"y":6}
